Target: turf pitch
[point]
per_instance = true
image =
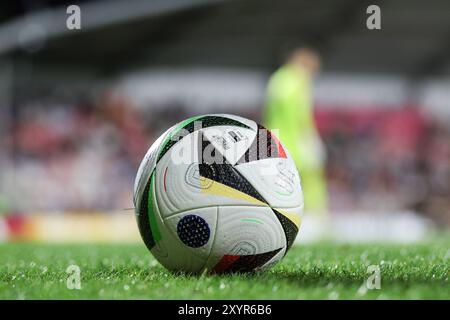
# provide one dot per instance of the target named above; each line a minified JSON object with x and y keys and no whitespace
{"x":319,"y":271}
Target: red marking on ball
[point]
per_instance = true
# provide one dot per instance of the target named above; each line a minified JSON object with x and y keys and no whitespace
{"x":165,"y":175}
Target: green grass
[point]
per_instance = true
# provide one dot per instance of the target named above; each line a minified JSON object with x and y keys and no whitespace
{"x":321,"y":271}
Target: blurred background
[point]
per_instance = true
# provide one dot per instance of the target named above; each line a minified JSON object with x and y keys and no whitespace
{"x":79,"y":108}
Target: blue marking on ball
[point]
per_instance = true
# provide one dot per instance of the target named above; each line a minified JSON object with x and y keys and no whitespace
{"x":193,"y":231}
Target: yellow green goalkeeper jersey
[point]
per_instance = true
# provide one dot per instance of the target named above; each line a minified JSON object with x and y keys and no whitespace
{"x":289,"y":109}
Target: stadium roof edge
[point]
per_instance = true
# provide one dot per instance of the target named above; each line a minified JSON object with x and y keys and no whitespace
{"x":50,"y":23}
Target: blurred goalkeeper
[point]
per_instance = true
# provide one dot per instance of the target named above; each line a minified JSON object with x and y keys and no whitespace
{"x":289,"y":109}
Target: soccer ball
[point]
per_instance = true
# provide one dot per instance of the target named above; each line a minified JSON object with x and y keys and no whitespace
{"x":219,"y":194}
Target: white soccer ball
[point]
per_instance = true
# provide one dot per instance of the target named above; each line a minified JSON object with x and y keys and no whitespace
{"x":218,"y":193}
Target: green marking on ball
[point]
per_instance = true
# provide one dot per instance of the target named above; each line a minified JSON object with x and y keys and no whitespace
{"x":174,"y":132}
{"x":151,"y":212}
{"x":286,"y":194}
{"x":252,"y":220}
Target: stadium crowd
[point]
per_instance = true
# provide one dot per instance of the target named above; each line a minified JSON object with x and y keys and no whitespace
{"x":83,"y":156}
